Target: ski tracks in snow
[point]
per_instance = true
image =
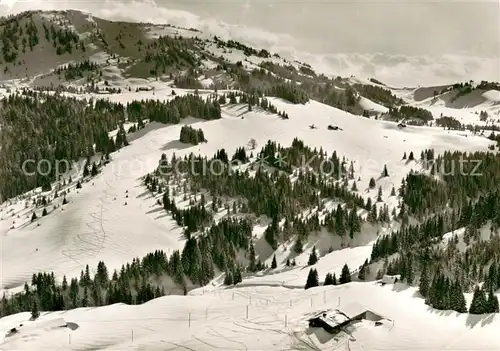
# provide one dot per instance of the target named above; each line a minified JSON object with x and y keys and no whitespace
{"x":90,"y":243}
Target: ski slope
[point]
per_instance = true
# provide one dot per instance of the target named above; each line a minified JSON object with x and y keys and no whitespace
{"x":97,"y":225}
{"x":257,"y":318}
{"x":487,"y":101}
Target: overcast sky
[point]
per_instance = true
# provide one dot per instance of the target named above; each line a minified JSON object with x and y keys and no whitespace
{"x":423,"y":29}
{"x":396,"y":27}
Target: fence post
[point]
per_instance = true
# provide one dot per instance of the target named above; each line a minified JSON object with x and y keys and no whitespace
{"x":286,"y":320}
{"x":311,"y":302}
{"x":247,"y":311}
{"x":132,"y":335}
{"x":189,"y":319}
{"x":324,"y":296}
{"x":233,"y":295}
{"x":69,"y":338}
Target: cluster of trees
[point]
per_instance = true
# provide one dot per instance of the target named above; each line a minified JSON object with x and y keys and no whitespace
{"x":495,"y":137}
{"x":307,"y":70}
{"x":248,"y":51}
{"x":411,"y":113}
{"x":485,"y":85}
{"x":330,"y":279}
{"x":192,"y":218}
{"x":77,"y":70}
{"x":274,"y":194}
{"x":38,"y":126}
{"x":483,"y":116}
{"x":442,"y":293}
{"x":483,"y":303}
{"x":334,"y":92}
{"x":134,"y":283}
{"x":378,"y":94}
{"x":289,"y":92}
{"x":168,"y":54}
{"x":16,"y":36}
{"x":287,"y":83}
{"x":174,"y":110}
{"x":462,"y":89}
{"x":448,"y":201}
{"x":251,"y":99}
{"x":445,"y":294}
{"x":188,"y":80}
{"x":143,"y":279}
{"x":63,"y":39}
{"x":449,"y":123}
{"x":189,"y":135}
{"x":460,"y":176}
{"x":465,"y":88}
{"x":90,"y":169}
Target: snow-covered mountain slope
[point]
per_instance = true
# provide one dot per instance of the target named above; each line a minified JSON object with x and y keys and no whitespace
{"x":257,"y":318}
{"x":139,"y":223}
{"x":336,"y":54}
{"x":97,"y":225}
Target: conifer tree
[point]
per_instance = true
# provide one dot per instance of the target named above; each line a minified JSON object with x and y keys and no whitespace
{"x":85,"y":300}
{"x":35,"y":313}
{"x":423,"y":286}
{"x":362,"y":272}
{"x":313,"y":257}
{"x":297,"y":247}
{"x":86,"y":169}
{"x":94,"y":170}
{"x":273,"y":263}
{"x":345,"y":275}
{"x":385,"y":173}
{"x":479,"y":304}
{"x":228,"y":278}
{"x":379,"y":195}
{"x":328,"y":279}
{"x":457,"y":298}
{"x":372,"y":183}
{"x":237,"y":277}
{"x":252,"y":267}
{"x":492,"y":301}
{"x":312,"y":279}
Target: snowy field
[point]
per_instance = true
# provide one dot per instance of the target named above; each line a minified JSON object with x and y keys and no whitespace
{"x":97,"y":225}
{"x":256,"y":319}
